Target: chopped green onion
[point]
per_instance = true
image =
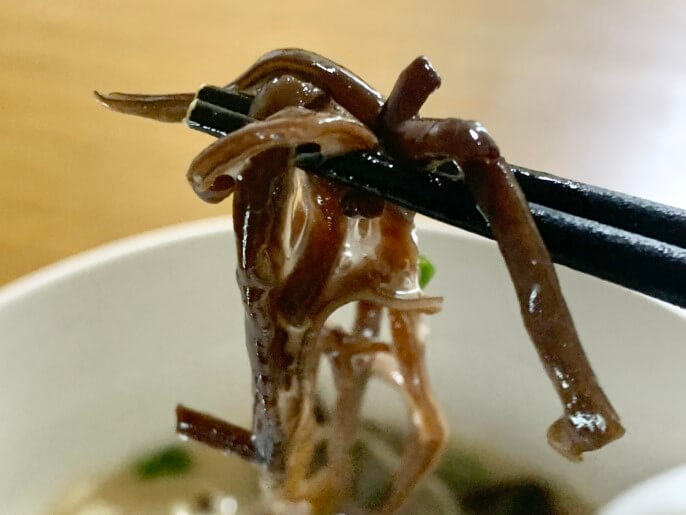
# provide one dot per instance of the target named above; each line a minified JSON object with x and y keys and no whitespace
{"x":426,"y":271}
{"x":169,"y":461}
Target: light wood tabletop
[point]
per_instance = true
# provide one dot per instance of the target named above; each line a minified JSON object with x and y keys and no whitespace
{"x":595,"y":91}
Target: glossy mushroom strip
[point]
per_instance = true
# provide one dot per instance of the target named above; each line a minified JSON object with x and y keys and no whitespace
{"x":589,"y":420}
{"x":163,"y":108}
{"x":356,"y":96}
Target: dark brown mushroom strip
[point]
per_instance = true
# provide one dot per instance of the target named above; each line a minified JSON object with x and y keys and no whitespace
{"x":215,"y":433}
{"x":589,"y":421}
{"x":351,"y":378}
{"x":351,"y":92}
{"x":286,"y":91}
{"x":413,"y":86}
{"x":430,"y":434}
{"x":256,"y":208}
{"x":170,"y":108}
{"x":367,"y":320}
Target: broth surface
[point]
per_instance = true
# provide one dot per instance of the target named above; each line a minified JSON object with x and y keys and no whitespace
{"x":216,"y":484}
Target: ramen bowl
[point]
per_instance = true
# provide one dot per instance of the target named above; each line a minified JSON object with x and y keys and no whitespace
{"x":96,"y":351}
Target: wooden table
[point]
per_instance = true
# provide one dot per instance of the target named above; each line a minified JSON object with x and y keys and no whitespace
{"x":592,"y":90}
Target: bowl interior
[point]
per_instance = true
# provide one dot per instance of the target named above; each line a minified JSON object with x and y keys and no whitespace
{"x":95,"y":353}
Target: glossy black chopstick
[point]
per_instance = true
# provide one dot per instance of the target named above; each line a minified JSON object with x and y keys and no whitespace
{"x":626,"y":240}
{"x":633,"y":214}
{"x":228,"y":99}
{"x":215,"y":120}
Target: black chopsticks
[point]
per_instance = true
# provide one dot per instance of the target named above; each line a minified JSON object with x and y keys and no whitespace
{"x":626,"y":240}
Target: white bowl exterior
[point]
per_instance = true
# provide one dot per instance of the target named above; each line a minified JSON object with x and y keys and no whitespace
{"x":96,"y":352}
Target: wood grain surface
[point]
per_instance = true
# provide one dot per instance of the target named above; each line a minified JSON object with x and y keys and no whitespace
{"x":595,"y":91}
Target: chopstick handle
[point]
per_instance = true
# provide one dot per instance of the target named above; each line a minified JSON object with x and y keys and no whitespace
{"x":627,"y":259}
{"x":631,"y":260}
{"x":633,"y":214}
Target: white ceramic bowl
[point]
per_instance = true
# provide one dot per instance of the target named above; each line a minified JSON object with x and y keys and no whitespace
{"x":95,"y":352}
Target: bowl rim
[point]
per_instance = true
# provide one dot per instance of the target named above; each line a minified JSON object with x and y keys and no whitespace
{"x":100,"y":255}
